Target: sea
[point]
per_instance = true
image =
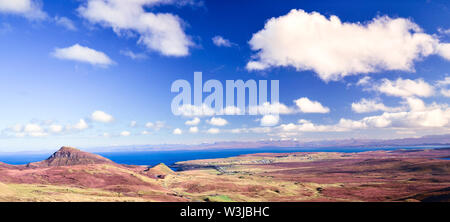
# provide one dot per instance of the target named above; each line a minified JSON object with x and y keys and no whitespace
{"x":169,"y":158}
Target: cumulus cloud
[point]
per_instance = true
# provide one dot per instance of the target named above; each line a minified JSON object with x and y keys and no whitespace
{"x":419,"y":116}
{"x":221,"y":42}
{"x":193,"y":122}
{"x":217,"y":121}
{"x":31,"y":9}
{"x":55,"y":128}
{"x":213,"y":131}
{"x":335,"y":49}
{"x":156,"y":125}
{"x":369,"y":105}
{"x":443,"y":85}
{"x":125,"y":133}
{"x":66,"y":23}
{"x":34,"y":130}
{"x":405,"y":88}
{"x":161,"y":32}
{"x":443,"y":50}
{"x":231,"y":110}
{"x":133,"y":123}
{"x":193,"y":129}
{"x":145,"y":132}
{"x":42,"y":128}
{"x":270,"y":120}
{"x":80,"y":125}
{"x":29,"y":129}
{"x":177,"y":131}
{"x":100,"y":116}
{"x":307,"y":106}
{"x":82,"y":54}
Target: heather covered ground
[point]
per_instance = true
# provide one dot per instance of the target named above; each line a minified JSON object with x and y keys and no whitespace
{"x":73,"y":175}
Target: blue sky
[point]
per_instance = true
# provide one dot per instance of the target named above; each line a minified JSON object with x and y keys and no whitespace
{"x":98,"y":72}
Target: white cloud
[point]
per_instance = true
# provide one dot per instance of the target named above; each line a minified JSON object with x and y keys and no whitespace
{"x":443,"y":84}
{"x":177,"y":131}
{"x":418,"y":117}
{"x":30,"y":129}
{"x":17,"y":128}
{"x":80,"y":125}
{"x":54,"y":128}
{"x":133,"y":123}
{"x":444,"y":31}
{"x":66,"y":23}
{"x":415,"y":103}
{"x":445,"y":92}
{"x":271,"y":108}
{"x":133,"y":55}
{"x":269,"y":120}
{"x":162,"y":32}
{"x":443,"y":50}
{"x":34,"y":130}
{"x":217,"y":121}
{"x":307,"y":106}
{"x":100,"y":116}
{"x":193,"y":122}
{"x":193,"y":129}
{"x":364,"y":81}
{"x":145,"y":132}
{"x":189,"y":110}
{"x":405,"y":88}
{"x":367,"y":105}
{"x":213,"y":131}
{"x":82,"y":54}
{"x":221,"y":42}
{"x":125,"y":133}
{"x":30,"y":9}
{"x":156,"y":125}
{"x":232,"y":110}
{"x":333,"y":49}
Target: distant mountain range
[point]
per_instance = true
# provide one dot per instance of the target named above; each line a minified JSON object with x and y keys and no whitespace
{"x":437,"y":140}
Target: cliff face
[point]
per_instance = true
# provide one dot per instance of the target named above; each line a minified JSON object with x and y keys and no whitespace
{"x":68,"y":156}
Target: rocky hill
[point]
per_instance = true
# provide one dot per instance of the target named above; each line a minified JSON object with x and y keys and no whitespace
{"x":69,"y":156}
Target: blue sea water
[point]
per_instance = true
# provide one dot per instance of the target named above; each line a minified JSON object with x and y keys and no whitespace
{"x":171,"y":157}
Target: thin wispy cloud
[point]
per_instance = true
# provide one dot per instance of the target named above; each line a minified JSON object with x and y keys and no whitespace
{"x":66,"y":23}
{"x":222,"y":42}
{"x":133,"y":55}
